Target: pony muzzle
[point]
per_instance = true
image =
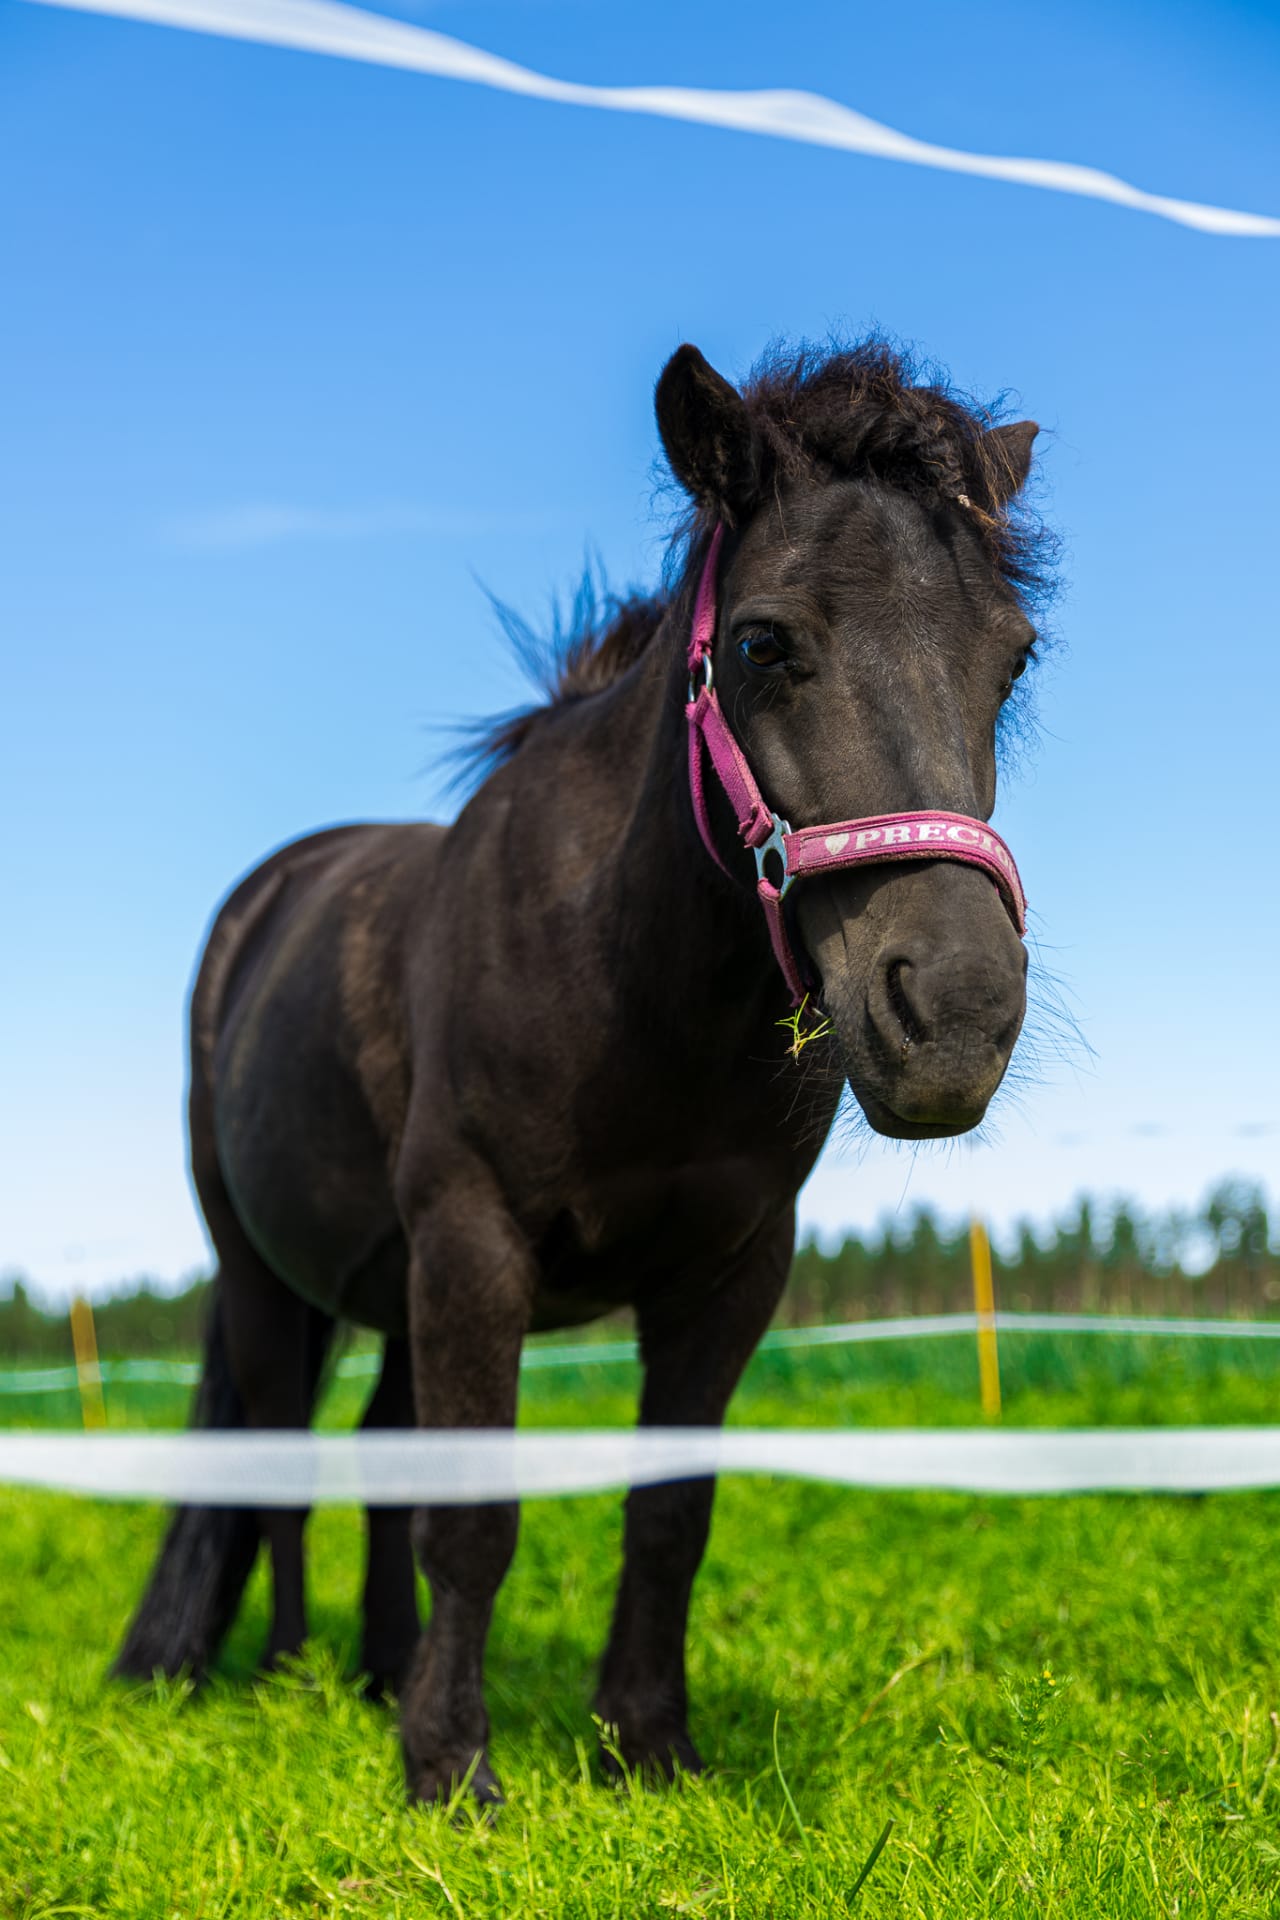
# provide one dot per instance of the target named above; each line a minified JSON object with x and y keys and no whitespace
{"x":924,"y":981}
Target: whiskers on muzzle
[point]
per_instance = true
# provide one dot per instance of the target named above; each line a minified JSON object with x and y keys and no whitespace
{"x":1050,"y":1041}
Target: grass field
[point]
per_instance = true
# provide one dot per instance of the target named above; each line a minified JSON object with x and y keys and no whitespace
{"x":1064,"y":1707}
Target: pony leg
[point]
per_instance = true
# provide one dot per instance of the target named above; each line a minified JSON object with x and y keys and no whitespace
{"x":391,"y":1623}
{"x":277,"y":1348}
{"x":471,"y":1283}
{"x":693,"y":1359}
{"x":276,"y":1344}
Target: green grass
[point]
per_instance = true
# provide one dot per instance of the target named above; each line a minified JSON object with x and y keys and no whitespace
{"x":855,"y":1660}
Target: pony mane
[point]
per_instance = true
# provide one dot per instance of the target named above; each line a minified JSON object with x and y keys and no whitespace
{"x":582,"y":652}
{"x":865,"y":411}
{"x":871,"y":410}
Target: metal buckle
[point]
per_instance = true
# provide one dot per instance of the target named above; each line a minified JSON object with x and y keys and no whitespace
{"x":776,"y":843}
{"x":708,"y":678}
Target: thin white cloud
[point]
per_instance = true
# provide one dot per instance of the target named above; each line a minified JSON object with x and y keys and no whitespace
{"x":350,"y":33}
{"x":275,"y":523}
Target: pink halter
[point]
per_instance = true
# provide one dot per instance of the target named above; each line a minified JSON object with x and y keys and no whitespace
{"x":809,"y":850}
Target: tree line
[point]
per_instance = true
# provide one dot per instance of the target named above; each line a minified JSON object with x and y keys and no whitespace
{"x":1220,"y":1261}
{"x":138,"y":1322}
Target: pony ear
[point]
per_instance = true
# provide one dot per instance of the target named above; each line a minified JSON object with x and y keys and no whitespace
{"x":707,"y":434}
{"x":1010,"y":450}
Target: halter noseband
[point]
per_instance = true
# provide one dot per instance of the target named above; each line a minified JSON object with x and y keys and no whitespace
{"x":795,"y":855}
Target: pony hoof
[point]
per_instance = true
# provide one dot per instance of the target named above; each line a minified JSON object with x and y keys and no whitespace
{"x":437,"y":1782}
{"x":654,"y":1759}
{"x":385,"y":1679}
{"x":276,"y":1658}
{"x":146,"y":1668}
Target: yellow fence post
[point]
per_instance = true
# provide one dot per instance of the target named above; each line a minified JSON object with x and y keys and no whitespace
{"x":984,"y":1305}
{"x":84,"y":1340}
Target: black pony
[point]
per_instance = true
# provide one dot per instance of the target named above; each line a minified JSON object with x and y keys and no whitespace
{"x":457,"y":1084}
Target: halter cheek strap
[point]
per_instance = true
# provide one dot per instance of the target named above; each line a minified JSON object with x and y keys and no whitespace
{"x":783,"y":856}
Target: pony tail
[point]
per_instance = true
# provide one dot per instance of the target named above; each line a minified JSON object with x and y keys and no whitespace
{"x":207,"y":1554}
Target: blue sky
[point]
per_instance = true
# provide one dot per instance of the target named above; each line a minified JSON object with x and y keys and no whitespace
{"x":296,"y":351}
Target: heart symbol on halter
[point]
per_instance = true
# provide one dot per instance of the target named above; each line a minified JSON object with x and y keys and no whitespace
{"x":837,"y":842}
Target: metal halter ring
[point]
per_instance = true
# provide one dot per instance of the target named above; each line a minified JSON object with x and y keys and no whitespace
{"x":708,"y":678}
{"x":776,"y":843}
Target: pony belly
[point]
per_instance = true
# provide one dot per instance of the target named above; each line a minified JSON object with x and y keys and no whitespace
{"x":639,"y":1236}
{"x":307,"y":1175}
{"x":375,"y":1294}
{"x":284,"y":1108}
{"x":555,"y":1307}
{"x":353,"y":1268}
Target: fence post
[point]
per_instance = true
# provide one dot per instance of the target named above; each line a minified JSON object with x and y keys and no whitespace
{"x":984,"y":1305}
{"x":84,"y":1341}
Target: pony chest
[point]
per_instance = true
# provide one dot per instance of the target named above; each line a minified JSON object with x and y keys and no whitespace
{"x":624,"y":1235}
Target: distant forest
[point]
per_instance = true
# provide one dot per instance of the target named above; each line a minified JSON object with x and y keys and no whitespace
{"x":1221,"y":1261}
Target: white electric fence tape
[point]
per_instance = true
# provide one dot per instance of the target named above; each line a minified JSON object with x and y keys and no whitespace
{"x":350,"y":33}
{"x":362,"y":1366}
{"x":410,"y":1468}
{"x":407,"y":1469}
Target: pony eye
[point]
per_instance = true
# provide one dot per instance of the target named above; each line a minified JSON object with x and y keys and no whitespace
{"x":761,"y":649}
{"x":1015,"y":673}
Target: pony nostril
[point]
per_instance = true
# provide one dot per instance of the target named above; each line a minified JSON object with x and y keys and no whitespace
{"x":913,"y":1028}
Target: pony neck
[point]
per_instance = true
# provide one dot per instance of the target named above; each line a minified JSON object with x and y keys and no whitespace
{"x":702,"y":919}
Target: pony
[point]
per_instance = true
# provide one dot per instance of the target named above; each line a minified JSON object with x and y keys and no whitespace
{"x":457,"y":1084}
